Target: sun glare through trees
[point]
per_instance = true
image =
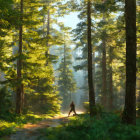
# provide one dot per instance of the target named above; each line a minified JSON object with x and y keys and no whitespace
{"x":69,"y":69}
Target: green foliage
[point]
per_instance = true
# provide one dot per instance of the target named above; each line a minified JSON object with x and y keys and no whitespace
{"x":37,"y":77}
{"x":7,"y":128}
{"x":108,"y":127}
{"x":5,"y":102}
{"x":107,"y":27}
{"x":97,"y":109}
{"x":15,"y":121}
{"x":66,"y":81}
{"x":7,"y":15}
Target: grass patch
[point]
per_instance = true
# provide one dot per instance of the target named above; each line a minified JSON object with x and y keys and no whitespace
{"x":10,"y":125}
{"x":106,"y":127}
{"x":7,"y":128}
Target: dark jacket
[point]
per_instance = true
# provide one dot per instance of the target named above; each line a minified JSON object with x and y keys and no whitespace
{"x":72,"y":105}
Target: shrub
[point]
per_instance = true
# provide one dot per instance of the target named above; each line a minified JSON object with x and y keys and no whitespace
{"x":108,"y":127}
{"x":98,"y":109}
{"x":7,"y":128}
{"x":5,"y":102}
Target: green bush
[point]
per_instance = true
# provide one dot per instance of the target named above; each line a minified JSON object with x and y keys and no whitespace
{"x":7,"y":128}
{"x":5,"y":102}
{"x":108,"y":127}
{"x":98,"y":109}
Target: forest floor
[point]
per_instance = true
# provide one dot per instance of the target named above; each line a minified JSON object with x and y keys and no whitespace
{"x":103,"y":126}
{"x":31,"y":131}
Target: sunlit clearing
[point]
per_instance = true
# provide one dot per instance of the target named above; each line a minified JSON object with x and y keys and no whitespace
{"x":65,"y":114}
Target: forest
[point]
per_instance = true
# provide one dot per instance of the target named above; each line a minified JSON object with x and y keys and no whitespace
{"x":59,"y":56}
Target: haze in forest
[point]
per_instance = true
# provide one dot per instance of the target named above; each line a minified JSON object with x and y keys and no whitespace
{"x":72,"y":67}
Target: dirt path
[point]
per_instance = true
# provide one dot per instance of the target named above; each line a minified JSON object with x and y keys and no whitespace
{"x":30,"y":131}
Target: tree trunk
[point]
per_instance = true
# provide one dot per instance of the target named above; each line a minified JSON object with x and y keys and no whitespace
{"x":90,"y":74}
{"x":138,"y":98}
{"x":129,"y":114}
{"x":48,"y":27}
{"x":104,"y":72}
{"x":48,"y":34}
{"x":19,"y":92}
{"x":66,"y":97}
{"x":93,"y":68}
{"x":110,"y":81}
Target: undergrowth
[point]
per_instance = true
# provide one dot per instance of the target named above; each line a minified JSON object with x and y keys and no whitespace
{"x":9,"y":124}
{"x":104,"y":127}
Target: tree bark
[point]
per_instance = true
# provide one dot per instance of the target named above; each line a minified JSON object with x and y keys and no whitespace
{"x":48,"y":34}
{"x":64,"y":58}
{"x":19,"y":92}
{"x":93,"y":67}
{"x":129,"y":114}
{"x":110,"y":81}
{"x":48,"y":27}
{"x":104,"y":73}
{"x":66,"y":97}
{"x":104,"y":70}
{"x":90,"y":74}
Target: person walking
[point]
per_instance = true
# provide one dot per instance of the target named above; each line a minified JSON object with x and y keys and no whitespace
{"x":72,"y":106}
